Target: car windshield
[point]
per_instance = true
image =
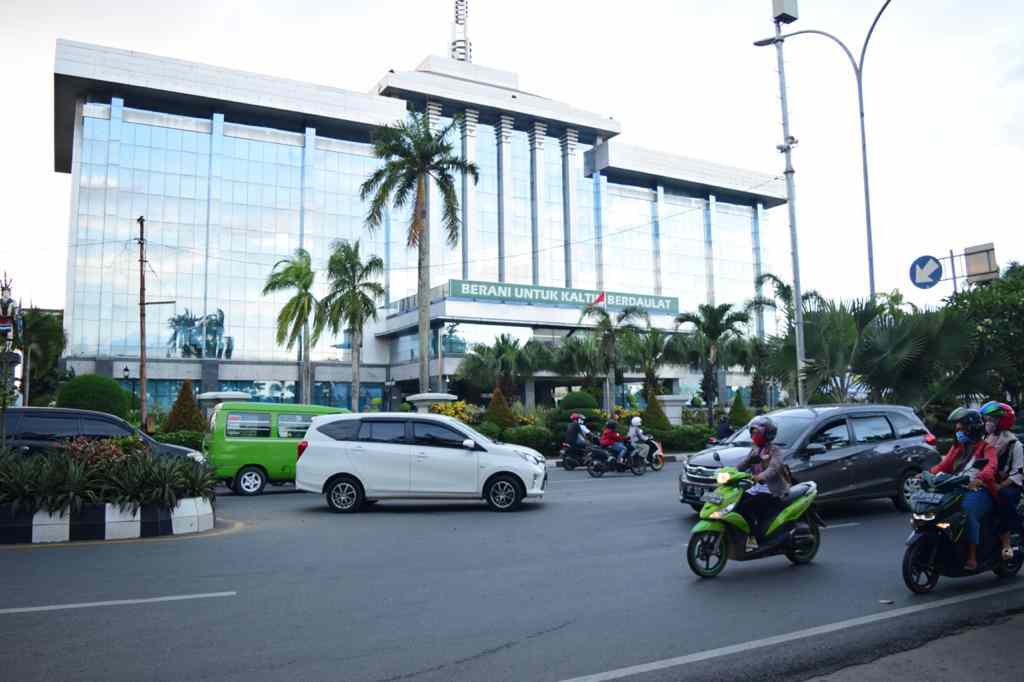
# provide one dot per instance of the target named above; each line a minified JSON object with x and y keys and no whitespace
{"x":476,"y":434}
{"x":789,"y":429}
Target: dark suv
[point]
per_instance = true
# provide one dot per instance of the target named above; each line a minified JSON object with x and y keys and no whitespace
{"x":851,"y":451}
{"x":39,"y":428}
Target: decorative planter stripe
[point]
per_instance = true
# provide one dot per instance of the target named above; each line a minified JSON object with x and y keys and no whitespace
{"x":106,"y":522}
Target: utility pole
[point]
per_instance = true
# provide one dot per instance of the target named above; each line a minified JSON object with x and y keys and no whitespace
{"x":142,"y":322}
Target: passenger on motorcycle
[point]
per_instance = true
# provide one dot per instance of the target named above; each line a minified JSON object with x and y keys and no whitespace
{"x":971,"y":455}
{"x":636,"y":431}
{"x":763,"y":501}
{"x":576,"y":434}
{"x":612,"y":440}
{"x":999,"y":418}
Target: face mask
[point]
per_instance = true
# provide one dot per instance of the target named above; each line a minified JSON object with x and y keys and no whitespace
{"x":758,"y":438}
{"x":962,"y":438}
{"x":990,"y":427}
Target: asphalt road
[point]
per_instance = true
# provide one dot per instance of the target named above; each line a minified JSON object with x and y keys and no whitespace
{"x":592,"y":579}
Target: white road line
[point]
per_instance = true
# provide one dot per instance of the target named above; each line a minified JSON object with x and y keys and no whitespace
{"x":841,"y":525}
{"x":789,"y":637}
{"x":117,"y":602}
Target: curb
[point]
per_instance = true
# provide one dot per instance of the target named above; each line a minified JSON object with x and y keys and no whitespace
{"x":99,"y":522}
{"x":668,"y":458}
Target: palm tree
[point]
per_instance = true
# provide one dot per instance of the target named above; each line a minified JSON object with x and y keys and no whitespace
{"x":715,"y":325}
{"x":504,"y":364}
{"x":351,"y":301}
{"x":609,"y":331}
{"x":42,"y":342}
{"x":293,"y":321}
{"x":650,"y":349}
{"x":783,"y":297}
{"x":579,"y":355}
{"x":413,"y":155}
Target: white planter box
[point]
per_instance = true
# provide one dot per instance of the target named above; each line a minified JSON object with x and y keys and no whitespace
{"x":122,"y":525}
{"x":204,"y":514}
{"x":184,"y":517}
{"x":48,"y":527}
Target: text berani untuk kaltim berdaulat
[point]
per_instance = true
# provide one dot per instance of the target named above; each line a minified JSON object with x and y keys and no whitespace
{"x":532,"y":294}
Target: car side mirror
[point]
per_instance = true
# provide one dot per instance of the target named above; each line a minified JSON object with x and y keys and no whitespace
{"x":813,"y":449}
{"x":469,"y":444}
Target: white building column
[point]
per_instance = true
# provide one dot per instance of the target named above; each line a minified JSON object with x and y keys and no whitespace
{"x":503,"y":140}
{"x":709,"y":252}
{"x":568,"y":144}
{"x":659,"y":213}
{"x":470,"y":117}
{"x":537,"y":217}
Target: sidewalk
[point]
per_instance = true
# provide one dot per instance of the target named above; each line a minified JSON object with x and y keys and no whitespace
{"x":982,"y":653}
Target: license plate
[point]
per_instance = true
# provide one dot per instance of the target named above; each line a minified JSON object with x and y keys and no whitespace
{"x":711,"y":497}
{"x":693,"y":491}
{"x":927,"y":498}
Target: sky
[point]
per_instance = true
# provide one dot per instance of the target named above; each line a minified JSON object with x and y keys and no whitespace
{"x":943,"y":90}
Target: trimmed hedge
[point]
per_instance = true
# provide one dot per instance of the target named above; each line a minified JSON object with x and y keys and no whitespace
{"x":682,"y":438}
{"x":654,"y":416}
{"x":536,"y":437}
{"x":578,"y":401}
{"x":490,"y":429}
{"x":188,"y":439}
{"x":739,"y":415}
{"x":185,"y":415}
{"x":94,"y":392}
{"x":498,"y":411}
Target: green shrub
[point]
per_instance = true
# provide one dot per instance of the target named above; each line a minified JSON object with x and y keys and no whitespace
{"x":185,"y":414}
{"x":498,"y":411}
{"x":490,"y":429}
{"x":93,"y":392}
{"x":578,"y":400}
{"x":654,"y":416}
{"x":696,"y":402}
{"x":739,"y":415}
{"x":536,"y":437}
{"x":686,"y":438}
{"x":187,"y":439}
{"x":405,"y":407}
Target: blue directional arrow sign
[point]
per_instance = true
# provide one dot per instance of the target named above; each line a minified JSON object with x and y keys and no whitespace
{"x":925,"y":272}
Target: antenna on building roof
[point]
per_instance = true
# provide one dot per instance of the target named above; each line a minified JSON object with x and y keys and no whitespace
{"x":462,"y":47}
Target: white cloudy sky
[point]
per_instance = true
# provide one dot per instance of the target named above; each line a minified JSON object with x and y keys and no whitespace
{"x":944,"y":91}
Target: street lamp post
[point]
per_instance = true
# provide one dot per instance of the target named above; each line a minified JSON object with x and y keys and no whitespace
{"x":126,"y":373}
{"x":858,"y":72}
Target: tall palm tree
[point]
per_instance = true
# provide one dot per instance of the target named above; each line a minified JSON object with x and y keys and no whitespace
{"x":351,"y":301}
{"x":413,"y":155}
{"x":783,"y":297}
{"x":609,"y":331}
{"x":42,"y":342}
{"x":504,"y":364}
{"x":715,"y":325}
{"x":650,"y":349}
{"x":579,"y":356}
{"x":293,"y":321}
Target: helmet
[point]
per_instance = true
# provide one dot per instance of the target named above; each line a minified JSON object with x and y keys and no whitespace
{"x":611,"y":424}
{"x":971,"y":421}
{"x":636,"y":421}
{"x":1001,"y":412}
{"x":575,"y":417}
{"x":765,"y":428}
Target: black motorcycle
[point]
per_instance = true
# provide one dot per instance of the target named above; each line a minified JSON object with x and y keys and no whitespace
{"x":580,"y":455}
{"x":601,"y":461}
{"x":937,"y":548}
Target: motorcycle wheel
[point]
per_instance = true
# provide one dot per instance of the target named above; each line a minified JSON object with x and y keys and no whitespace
{"x":1008,"y":569}
{"x":806,"y":555}
{"x":707,"y":553}
{"x":637,"y":465}
{"x":918,"y":577}
{"x":595,"y":469}
{"x":657,"y":462}
{"x":568,"y":464}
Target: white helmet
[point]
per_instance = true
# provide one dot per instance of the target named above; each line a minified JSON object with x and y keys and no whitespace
{"x":636,"y":421}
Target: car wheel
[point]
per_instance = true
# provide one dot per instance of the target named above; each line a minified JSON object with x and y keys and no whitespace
{"x":503,"y":494}
{"x":344,"y":495}
{"x":249,"y":481}
{"x":909,"y":485}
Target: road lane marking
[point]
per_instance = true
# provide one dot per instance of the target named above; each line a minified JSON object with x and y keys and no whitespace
{"x":117,"y":602}
{"x":840,"y":525}
{"x":733,"y":649}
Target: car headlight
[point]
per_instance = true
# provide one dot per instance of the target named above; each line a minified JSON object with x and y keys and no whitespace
{"x":197,"y":456}
{"x":531,"y":459}
{"x":924,"y":517}
{"x":723,"y":477}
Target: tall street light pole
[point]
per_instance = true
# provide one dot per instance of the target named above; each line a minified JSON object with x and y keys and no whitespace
{"x":858,"y":72}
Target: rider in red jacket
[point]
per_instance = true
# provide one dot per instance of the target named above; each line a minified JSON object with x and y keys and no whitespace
{"x":613,"y":441}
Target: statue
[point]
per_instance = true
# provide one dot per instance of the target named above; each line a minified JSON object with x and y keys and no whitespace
{"x":10,"y":315}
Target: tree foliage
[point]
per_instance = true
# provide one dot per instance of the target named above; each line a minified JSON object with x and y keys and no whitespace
{"x":185,"y":414}
{"x":498,"y":411}
{"x":94,"y":392}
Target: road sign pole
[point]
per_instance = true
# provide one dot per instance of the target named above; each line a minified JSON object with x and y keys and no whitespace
{"x":952,"y":268}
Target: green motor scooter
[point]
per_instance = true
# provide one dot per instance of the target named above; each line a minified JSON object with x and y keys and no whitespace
{"x":723,"y":534}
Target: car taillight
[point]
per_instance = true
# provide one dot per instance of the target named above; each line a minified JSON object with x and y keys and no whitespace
{"x":930,"y":439}
{"x":300,"y":449}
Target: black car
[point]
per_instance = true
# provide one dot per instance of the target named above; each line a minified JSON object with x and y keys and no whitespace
{"x":851,"y":451}
{"x":32,"y":429}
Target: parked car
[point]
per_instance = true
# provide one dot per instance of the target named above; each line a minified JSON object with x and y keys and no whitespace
{"x":252,"y":444}
{"x":851,"y":451}
{"x":363,"y":458}
{"x":33,"y":429}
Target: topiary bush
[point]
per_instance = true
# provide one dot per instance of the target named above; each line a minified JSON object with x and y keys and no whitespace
{"x":687,"y":438}
{"x":739,"y":415}
{"x":578,"y":400}
{"x":93,"y":392}
{"x":536,"y":437}
{"x":185,"y":414}
{"x":498,"y":411}
{"x":490,"y":429}
{"x":654,"y":416}
{"x":186,"y":439}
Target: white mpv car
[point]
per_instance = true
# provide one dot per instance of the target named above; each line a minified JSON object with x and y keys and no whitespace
{"x":353,"y":459}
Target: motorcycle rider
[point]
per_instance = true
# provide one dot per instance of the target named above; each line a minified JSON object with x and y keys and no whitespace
{"x":724,"y":430}
{"x":971,"y":455}
{"x":763,"y":501}
{"x":999,"y":418}
{"x":636,"y":431}
{"x":576,"y":434}
{"x":612,"y":440}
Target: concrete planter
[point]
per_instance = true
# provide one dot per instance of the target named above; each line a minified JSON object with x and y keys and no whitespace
{"x":673,"y":406}
{"x":106,"y":522}
{"x":421,"y":402}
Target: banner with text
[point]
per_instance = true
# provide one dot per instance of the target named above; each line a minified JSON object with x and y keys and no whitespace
{"x":534,"y":295}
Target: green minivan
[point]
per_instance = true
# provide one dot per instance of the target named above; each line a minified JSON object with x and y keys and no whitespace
{"x":252,"y":444}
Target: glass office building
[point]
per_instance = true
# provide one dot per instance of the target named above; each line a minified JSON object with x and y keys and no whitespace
{"x":234,"y":171}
